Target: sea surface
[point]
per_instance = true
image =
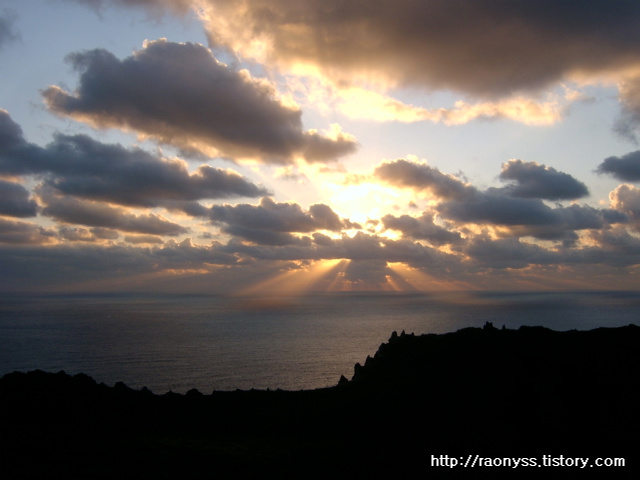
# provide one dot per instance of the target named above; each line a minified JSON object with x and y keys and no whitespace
{"x":179,"y":342}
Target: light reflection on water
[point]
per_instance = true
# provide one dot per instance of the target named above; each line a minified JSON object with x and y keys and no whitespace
{"x":223,"y":343}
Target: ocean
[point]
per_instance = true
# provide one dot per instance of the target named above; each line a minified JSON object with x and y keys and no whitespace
{"x":179,"y":342}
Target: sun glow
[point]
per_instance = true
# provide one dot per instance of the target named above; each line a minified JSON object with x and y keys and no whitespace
{"x":420,"y":281}
{"x":337,"y":275}
{"x":298,"y":281}
{"x":362,"y":201}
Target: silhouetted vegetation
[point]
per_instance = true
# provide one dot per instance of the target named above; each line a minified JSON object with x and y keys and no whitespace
{"x":496,"y":392}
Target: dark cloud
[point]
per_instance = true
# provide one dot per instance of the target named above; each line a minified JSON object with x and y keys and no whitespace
{"x":420,"y":176}
{"x":517,"y":208}
{"x":136,"y":239}
{"x":494,"y":207}
{"x":76,"y":234}
{"x":419,"y":256}
{"x":109,"y":267}
{"x":187,"y":255}
{"x":193,"y":209}
{"x":87,"y":266}
{"x":421,"y":228}
{"x":324,"y":218}
{"x":464,"y":203}
{"x":528,"y":217}
{"x":360,"y":247}
{"x":272,"y":223}
{"x":62,"y":266}
{"x":156,"y":6}
{"x":23,"y":233}
{"x":367,"y":273}
{"x":181,"y":95}
{"x":507,"y":253}
{"x":11,"y":138}
{"x":262,"y":236}
{"x":486,"y":47}
{"x":625,"y":246}
{"x":583,"y":217}
{"x":74,"y":211}
{"x":95,"y":234}
{"x":322,"y":240}
{"x":567,"y":221}
{"x":7,"y":32}
{"x":105,"y":233}
{"x":539,"y":181}
{"x":78,"y":165}
{"x":628,"y":121}
{"x":15,"y":201}
{"x":479,"y":261}
{"x":614,"y":248}
{"x":625,"y":168}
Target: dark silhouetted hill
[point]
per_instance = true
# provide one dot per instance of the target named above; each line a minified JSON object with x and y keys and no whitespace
{"x":495,"y":393}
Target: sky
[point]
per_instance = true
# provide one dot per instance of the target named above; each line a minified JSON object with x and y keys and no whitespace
{"x":268,"y":146}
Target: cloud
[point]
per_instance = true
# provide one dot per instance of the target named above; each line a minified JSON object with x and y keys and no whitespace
{"x":179,"y":94}
{"x":272,"y":223}
{"x":366,"y":274}
{"x":421,"y":228}
{"x":614,"y":248}
{"x":608,"y":255}
{"x":494,"y":207}
{"x":565,"y":223}
{"x":11,"y":139}
{"x":532,"y":180}
{"x":322,"y":240}
{"x":625,"y":168}
{"x":156,"y":6}
{"x":7,"y":32}
{"x":625,"y":199}
{"x":62,"y":266}
{"x":479,"y":261}
{"x":539,"y":181}
{"x":422,"y":177}
{"x":626,"y":247}
{"x":629,"y":119}
{"x":325,"y":218}
{"x":81,"y":234}
{"x":498,"y":53}
{"x":15,"y":201}
{"x":485,"y":48}
{"x":103,"y":233}
{"x":360,"y":103}
{"x":23,"y":233}
{"x":517,"y":210}
{"x":72,"y":210}
{"x":76,"y":234}
{"x":516,"y":216}
{"x":507,"y":253}
{"x":137,"y":239}
{"x":80,"y":166}
{"x":360,"y":247}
